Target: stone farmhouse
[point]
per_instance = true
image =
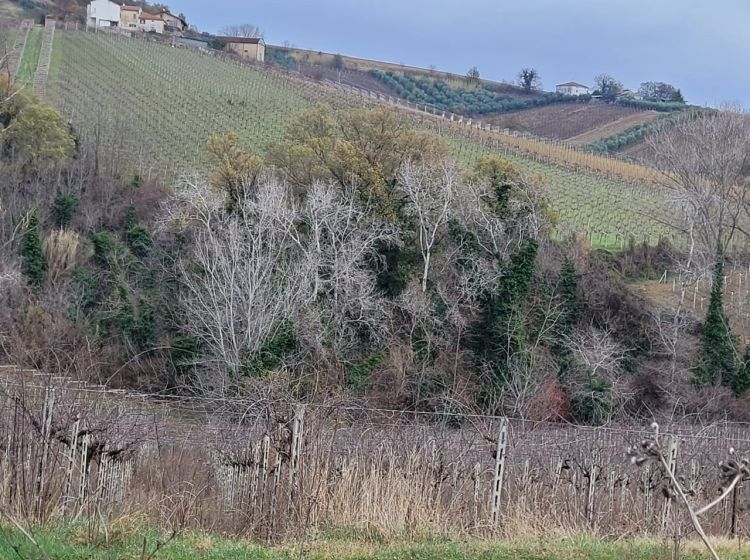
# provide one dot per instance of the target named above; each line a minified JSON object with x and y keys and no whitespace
{"x":105,"y":13}
{"x":572,"y":88}
{"x":249,"y":48}
{"x":150,"y":23}
{"x":129,"y":16}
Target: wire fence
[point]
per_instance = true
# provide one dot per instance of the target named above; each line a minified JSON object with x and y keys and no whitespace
{"x":272,"y":468}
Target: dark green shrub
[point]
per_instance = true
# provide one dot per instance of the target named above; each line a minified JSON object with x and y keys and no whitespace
{"x":34,"y":263}
{"x":139,"y":240}
{"x":63,"y":208}
{"x":359,"y":375}
{"x":594,"y":403}
{"x":270,"y":356}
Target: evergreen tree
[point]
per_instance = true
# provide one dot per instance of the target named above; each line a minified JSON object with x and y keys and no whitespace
{"x":500,"y":333}
{"x":718,"y":360}
{"x":570,"y":310}
{"x":571,"y":304}
{"x":34,"y":263}
{"x":63,"y":208}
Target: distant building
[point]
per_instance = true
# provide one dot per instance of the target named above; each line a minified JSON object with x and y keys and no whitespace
{"x":129,"y":16}
{"x":150,"y":23}
{"x":572,"y":88}
{"x":249,"y":48}
{"x":191,"y":42}
{"x":173,"y":22}
{"x":102,"y":13}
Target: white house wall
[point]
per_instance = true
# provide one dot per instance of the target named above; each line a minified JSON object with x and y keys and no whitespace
{"x":102,"y":13}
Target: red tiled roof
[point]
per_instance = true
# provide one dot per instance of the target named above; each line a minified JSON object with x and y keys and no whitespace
{"x":130,"y":8}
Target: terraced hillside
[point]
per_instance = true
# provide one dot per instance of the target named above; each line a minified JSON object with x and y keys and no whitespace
{"x":158,"y":105}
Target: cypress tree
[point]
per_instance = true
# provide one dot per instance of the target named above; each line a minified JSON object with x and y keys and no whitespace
{"x":718,"y":360}
{"x":33,"y":263}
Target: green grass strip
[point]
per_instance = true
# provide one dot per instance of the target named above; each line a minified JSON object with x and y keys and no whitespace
{"x":87,"y":542}
{"x":25,"y":74}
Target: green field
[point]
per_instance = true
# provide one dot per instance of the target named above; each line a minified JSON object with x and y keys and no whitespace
{"x":30,"y":58}
{"x":121,"y":541}
{"x":158,"y":105}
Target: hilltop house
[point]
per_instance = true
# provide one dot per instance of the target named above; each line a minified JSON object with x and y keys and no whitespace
{"x":102,"y":13}
{"x":149,"y":22}
{"x":572,"y":88}
{"x":129,"y":16}
{"x":173,"y":22}
{"x":249,"y":48}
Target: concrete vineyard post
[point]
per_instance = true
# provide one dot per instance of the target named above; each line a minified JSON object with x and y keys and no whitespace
{"x":497,"y":481}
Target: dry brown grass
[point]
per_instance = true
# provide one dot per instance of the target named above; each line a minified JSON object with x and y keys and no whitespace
{"x":203,"y":465}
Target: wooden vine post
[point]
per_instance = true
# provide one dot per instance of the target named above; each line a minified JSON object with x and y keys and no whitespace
{"x":497,"y":482}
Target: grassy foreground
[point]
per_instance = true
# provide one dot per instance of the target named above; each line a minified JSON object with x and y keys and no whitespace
{"x":76,"y":542}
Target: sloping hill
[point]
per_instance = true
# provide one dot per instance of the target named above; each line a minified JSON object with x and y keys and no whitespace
{"x":157,"y":105}
{"x":578,"y":123}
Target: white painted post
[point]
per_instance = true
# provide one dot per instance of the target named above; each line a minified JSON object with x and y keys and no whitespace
{"x":497,"y":482}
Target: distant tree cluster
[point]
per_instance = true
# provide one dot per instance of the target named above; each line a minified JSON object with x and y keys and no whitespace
{"x":658,"y":96}
{"x":607,"y":87}
{"x":660,"y":91}
{"x":245,"y":30}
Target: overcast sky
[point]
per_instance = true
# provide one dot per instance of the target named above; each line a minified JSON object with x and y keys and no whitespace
{"x":701,"y":46}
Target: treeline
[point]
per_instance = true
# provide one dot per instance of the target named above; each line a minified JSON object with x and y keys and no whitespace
{"x":475,"y":100}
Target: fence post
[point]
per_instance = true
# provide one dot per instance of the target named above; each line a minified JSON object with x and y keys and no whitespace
{"x":497,"y":482}
{"x":477,"y":476}
{"x":294,"y":453}
{"x":672,"y":461}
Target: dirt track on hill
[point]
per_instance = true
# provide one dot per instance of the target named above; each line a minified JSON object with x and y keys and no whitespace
{"x":612,"y":128}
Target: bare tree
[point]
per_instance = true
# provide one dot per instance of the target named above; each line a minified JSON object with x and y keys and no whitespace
{"x":238,"y":285}
{"x":245,"y":30}
{"x":430,"y":192}
{"x":529,"y":79}
{"x":279,"y":260}
{"x":705,"y":161}
{"x":607,"y":86}
{"x":472,"y":75}
{"x":335,"y":246}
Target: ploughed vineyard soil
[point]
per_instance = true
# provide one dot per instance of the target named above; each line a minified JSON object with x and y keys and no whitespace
{"x":579,"y":123}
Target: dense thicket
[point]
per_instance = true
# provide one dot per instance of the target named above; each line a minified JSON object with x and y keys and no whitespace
{"x":354,"y":257}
